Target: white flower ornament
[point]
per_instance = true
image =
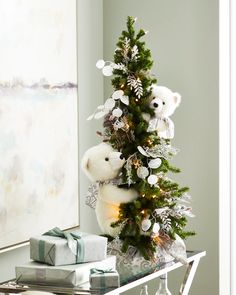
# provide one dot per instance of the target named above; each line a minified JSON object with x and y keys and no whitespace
{"x":109,"y":105}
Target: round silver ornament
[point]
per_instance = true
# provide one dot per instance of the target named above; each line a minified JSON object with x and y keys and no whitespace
{"x":156,"y":228}
{"x":100,"y":64}
{"x":117,"y":94}
{"x":152,"y":179}
{"x":117,"y":112}
{"x":107,"y":71}
{"x":142,"y":172}
{"x":109,"y":104}
{"x":146,"y":224}
{"x":155,"y":163}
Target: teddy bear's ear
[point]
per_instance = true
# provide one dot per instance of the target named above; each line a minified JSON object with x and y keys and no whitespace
{"x":85,"y":163}
{"x":177,"y":99}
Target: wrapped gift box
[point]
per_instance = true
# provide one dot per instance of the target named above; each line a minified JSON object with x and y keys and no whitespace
{"x":66,"y":275}
{"x":104,"y":279}
{"x":54,"y":250}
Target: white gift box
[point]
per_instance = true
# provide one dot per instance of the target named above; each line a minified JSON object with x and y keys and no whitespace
{"x":66,"y":275}
{"x":55,"y":250}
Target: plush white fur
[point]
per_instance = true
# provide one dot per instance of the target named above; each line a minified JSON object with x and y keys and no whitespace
{"x":164,"y":102}
{"x":102,"y":163}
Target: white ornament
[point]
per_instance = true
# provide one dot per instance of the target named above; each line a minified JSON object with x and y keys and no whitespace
{"x":90,"y":117}
{"x":117,"y":112}
{"x":117,"y":94}
{"x":109,"y":104}
{"x":100,"y":64}
{"x":146,"y":224}
{"x":156,"y":228}
{"x":107,"y":71}
{"x":142,"y":172}
{"x":118,"y":125}
{"x":155,"y":163}
{"x":159,"y":211}
{"x":142,"y":151}
{"x":99,"y":115}
{"x":125,"y":100}
{"x":152,"y":179}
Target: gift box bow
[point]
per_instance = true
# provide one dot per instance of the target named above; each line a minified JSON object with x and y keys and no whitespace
{"x":74,"y":241}
{"x":101,"y":271}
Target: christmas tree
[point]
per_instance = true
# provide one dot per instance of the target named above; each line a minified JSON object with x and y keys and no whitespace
{"x":157,"y":215}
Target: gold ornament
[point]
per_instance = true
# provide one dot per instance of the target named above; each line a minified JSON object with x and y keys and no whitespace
{"x":136,"y":163}
{"x":126,"y":126}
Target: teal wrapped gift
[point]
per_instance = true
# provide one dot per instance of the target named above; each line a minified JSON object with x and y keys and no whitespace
{"x":56,"y":247}
{"x":104,"y":278}
{"x":36,"y":273}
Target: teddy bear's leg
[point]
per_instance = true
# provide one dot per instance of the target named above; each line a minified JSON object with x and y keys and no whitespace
{"x":106,"y":214}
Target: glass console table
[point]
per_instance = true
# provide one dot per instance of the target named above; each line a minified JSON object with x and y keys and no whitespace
{"x":162,"y":270}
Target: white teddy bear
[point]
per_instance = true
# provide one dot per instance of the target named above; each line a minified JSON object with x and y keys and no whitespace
{"x":164,"y":102}
{"x":102,"y":164}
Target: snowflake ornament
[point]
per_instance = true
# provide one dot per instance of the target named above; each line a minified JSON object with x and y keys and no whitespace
{"x":91,"y":197}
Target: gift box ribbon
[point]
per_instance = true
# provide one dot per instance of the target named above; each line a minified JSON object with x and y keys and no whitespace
{"x":103,"y":273}
{"x":75,"y":243}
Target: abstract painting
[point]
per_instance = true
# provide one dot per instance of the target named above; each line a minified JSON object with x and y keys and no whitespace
{"x":38,"y":118}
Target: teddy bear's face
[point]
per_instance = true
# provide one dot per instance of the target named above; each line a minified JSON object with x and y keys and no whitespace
{"x":102,"y":162}
{"x":164,"y":101}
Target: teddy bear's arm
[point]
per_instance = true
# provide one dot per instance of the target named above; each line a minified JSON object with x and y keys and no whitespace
{"x":115,"y":195}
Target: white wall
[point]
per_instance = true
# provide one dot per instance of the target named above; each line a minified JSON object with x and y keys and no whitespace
{"x":90,"y":48}
{"x":183,"y":39}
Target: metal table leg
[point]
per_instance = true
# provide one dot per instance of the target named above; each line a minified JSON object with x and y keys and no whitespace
{"x":188,"y":278}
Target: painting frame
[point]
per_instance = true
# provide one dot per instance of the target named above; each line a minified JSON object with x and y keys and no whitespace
{"x":76,"y":222}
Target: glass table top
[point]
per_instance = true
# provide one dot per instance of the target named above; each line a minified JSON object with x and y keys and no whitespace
{"x":141,"y":278}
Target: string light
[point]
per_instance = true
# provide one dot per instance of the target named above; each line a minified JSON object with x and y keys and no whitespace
{"x":143,"y":211}
{"x":149,"y":142}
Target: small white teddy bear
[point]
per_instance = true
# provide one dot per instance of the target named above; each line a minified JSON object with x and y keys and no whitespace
{"x":164,"y":102}
{"x":102,"y":164}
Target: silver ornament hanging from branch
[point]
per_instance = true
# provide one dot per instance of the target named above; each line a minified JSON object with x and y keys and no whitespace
{"x":142,"y":172}
{"x":136,"y":84}
{"x":161,"y":150}
{"x":146,"y":224}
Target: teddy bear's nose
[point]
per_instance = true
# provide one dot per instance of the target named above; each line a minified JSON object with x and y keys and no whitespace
{"x":155,"y":105}
{"x":121,"y":157}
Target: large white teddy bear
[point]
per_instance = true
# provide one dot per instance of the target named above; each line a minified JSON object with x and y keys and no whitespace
{"x":102,"y":164}
{"x":164,"y":102}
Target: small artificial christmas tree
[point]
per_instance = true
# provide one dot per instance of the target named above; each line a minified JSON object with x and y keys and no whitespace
{"x":157,"y":217}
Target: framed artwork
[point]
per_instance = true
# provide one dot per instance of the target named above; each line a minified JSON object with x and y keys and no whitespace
{"x":38,"y":118}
